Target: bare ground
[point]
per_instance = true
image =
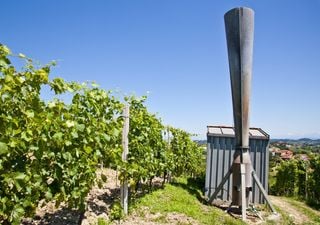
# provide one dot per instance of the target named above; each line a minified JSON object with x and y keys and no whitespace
{"x":99,"y":201}
{"x":144,"y":217}
{"x":297,"y":216}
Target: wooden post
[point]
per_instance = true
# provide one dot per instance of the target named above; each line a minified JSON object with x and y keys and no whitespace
{"x":168,"y":144}
{"x":125,"y":144}
{"x":264,"y":193}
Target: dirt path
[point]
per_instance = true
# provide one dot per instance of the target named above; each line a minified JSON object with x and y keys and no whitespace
{"x":297,"y":216}
{"x":144,"y":217}
{"x":100,"y":199}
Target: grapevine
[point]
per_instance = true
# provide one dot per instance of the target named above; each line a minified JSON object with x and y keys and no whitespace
{"x":51,"y":149}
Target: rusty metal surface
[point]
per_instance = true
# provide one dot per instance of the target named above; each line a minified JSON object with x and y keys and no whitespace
{"x":239,"y":23}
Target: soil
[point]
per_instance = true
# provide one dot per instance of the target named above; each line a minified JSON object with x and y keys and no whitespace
{"x":99,"y":201}
{"x":144,"y":217}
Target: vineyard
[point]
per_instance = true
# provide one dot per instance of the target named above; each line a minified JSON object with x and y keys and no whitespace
{"x":297,"y":178}
{"x":51,"y":149}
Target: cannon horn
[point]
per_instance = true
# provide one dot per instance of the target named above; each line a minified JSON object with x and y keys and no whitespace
{"x":239,"y":24}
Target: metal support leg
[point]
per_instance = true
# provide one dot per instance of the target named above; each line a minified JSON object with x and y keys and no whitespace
{"x":219,"y":188}
{"x":243,"y":192}
{"x":265,"y":195}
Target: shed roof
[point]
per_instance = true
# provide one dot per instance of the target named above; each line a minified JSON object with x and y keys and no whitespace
{"x":228,"y":131}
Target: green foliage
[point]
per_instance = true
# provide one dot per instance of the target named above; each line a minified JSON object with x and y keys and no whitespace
{"x":146,"y":144}
{"x":286,"y":178}
{"x":298,"y":178}
{"x":116,"y":212}
{"x":21,"y":114}
{"x":51,"y":150}
{"x":186,"y":156}
{"x":102,"y":221}
{"x":313,"y":181}
{"x":149,"y":154}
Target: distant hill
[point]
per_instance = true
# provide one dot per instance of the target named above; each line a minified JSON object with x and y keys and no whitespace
{"x":201,"y":142}
{"x":301,"y":141}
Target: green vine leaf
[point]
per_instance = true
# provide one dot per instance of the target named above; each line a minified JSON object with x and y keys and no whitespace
{"x":3,"y":148}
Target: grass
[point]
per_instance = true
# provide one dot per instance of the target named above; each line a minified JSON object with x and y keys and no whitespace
{"x":102,"y":221}
{"x":185,"y":198}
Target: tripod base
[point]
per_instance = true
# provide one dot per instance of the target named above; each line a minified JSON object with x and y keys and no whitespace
{"x":242,"y":190}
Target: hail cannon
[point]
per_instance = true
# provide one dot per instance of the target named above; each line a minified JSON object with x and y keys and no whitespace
{"x":239,"y":25}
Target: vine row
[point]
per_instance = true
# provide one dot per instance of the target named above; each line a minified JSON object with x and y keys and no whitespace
{"x":51,"y":149}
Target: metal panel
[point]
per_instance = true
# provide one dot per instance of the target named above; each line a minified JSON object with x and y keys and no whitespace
{"x":258,"y":165}
{"x":208,"y":168}
{"x":229,"y":131}
{"x":215,"y":130}
{"x":253,"y":154}
{"x":220,"y":150}
{"x":256,"y":133}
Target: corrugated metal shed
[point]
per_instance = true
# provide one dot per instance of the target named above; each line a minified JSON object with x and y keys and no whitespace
{"x":220,"y":150}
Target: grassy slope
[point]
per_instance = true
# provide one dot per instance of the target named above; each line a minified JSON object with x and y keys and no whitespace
{"x":186,"y":199}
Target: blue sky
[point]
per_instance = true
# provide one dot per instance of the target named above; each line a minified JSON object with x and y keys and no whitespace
{"x":176,"y":51}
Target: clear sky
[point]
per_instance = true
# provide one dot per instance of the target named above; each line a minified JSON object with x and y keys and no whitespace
{"x":176,"y":50}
